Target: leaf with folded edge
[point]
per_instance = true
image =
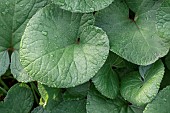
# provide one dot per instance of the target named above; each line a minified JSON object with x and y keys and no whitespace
{"x":83,"y":6}
{"x":132,"y":37}
{"x":58,"y":49}
{"x":142,"y":91}
{"x":14,"y":16}
{"x":106,"y":80}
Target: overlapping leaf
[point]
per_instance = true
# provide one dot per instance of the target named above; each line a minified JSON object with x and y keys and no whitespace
{"x":141,"y":90}
{"x":18,"y":100}
{"x":96,"y":103}
{"x":83,"y":6}
{"x":106,"y":80}
{"x":130,"y":32}
{"x":62,"y":49}
{"x":14,"y":15}
{"x":161,"y":103}
{"x":163,"y":21}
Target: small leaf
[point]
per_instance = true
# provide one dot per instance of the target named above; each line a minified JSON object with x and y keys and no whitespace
{"x":106,"y":80}
{"x":59,"y":51}
{"x":18,"y":100}
{"x":161,"y":103}
{"x":131,"y":38}
{"x":138,"y":91}
{"x":4,"y":62}
{"x":17,"y":69}
{"x":83,"y":6}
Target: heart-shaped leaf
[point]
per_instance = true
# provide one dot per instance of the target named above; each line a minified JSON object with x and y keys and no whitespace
{"x":18,"y":100}
{"x":106,"y":80}
{"x":161,"y":103}
{"x":140,"y":91}
{"x":14,"y":15}
{"x":83,"y":6}
{"x":130,"y":32}
{"x":60,"y":49}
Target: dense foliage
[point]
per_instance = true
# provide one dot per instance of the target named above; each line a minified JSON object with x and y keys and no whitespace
{"x":84,"y":56}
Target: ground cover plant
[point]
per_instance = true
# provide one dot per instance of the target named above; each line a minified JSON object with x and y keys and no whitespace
{"x":84,"y":56}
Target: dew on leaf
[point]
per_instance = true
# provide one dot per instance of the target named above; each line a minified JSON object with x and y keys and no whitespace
{"x":45,"y":33}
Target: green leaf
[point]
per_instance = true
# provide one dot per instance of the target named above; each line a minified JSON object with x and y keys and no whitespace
{"x":163,"y":21}
{"x":14,"y":15}
{"x":96,"y":103}
{"x":142,"y":6}
{"x":83,"y":6}
{"x":106,"y":80}
{"x":17,"y":69}
{"x":39,"y":109}
{"x":18,"y":100}
{"x":141,"y":91}
{"x":4,"y":61}
{"x":59,"y":50}
{"x":77,"y":93}
{"x":132,"y":38}
{"x":78,"y":106}
{"x":161,"y":103}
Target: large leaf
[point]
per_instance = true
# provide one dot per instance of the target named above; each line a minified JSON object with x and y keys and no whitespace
{"x":96,"y":103}
{"x":130,"y":35}
{"x":60,"y":49}
{"x":14,"y":15}
{"x":141,"y":91}
{"x":18,"y":100}
{"x":163,"y":20}
{"x":106,"y":80}
{"x":161,"y":103}
{"x":83,"y":6}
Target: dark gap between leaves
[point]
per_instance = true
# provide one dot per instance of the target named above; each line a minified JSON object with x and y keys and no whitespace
{"x":131,"y":15}
{"x":78,"y":40}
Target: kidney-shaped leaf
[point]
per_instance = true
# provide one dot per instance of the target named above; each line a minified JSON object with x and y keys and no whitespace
{"x":83,"y":6}
{"x":18,"y":100}
{"x":161,"y":103}
{"x":59,"y":49}
{"x":141,"y":90}
{"x":130,"y":32}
